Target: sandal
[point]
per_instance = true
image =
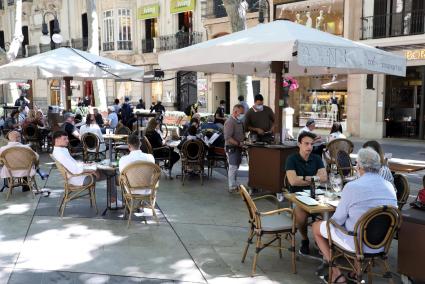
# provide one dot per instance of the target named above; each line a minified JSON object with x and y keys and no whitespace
{"x":326,"y":279}
{"x":352,"y":277}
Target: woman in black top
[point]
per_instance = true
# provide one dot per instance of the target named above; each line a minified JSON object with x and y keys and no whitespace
{"x":155,"y":140}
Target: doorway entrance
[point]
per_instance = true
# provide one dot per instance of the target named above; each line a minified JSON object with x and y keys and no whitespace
{"x":187,"y":89}
{"x":221,"y":91}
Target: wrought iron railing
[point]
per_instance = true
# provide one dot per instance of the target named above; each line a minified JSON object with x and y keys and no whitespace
{"x":217,"y":9}
{"x":394,"y":24}
{"x":148,"y":45}
{"x":125,"y":45}
{"x":108,"y":46}
{"x":32,"y":50}
{"x":179,"y":40}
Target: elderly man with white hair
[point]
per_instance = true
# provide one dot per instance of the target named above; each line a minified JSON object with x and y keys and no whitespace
{"x":358,"y":196}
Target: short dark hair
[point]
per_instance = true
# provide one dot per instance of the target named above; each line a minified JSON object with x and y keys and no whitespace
{"x":192,"y":130}
{"x":241,"y":98}
{"x":258,"y":97}
{"x":194,"y":119}
{"x":336,"y":127}
{"x":306,"y":134}
{"x":133,"y":140}
{"x":116,"y":101}
{"x":222,"y":101}
{"x":58,"y":134}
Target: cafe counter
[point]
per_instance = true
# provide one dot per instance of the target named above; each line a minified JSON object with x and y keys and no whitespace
{"x":267,"y":165}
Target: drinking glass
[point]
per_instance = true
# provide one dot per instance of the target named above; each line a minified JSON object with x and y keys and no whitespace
{"x":337,"y":183}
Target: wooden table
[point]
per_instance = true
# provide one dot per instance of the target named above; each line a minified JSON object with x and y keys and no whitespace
{"x":111,"y":137}
{"x":324,"y":209}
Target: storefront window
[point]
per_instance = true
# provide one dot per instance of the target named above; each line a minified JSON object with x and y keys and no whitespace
{"x":322,"y":98}
{"x":156,"y":91}
{"x":403,"y":104}
{"x":324,"y":15}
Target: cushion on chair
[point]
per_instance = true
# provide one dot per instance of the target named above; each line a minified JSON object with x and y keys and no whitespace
{"x":276,"y":222}
{"x":142,"y":191}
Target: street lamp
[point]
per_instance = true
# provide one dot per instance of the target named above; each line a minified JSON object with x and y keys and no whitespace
{"x":56,"y":37}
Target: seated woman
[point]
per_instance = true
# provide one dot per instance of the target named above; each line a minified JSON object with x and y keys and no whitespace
{"x":367,"y":192}
{"x":31,"y":119}
{"x":92,"y":127}
{"x":384,"y":171}
{"x":191,"y":135}
{"x":336,"y":132}
{"x":156,"y":141}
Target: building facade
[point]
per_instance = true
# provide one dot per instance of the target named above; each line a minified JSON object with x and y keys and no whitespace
{"x":134,"y":32}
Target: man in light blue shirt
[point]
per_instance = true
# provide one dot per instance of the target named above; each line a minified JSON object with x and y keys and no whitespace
{"x":112,"y":118}
{"x":358,"y":196}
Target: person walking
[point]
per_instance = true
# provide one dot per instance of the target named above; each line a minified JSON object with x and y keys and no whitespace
{"x":234,"y":134}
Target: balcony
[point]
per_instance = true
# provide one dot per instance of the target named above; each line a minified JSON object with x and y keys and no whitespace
{"x":125,"y":45}
{"x":108,"y":46}
{"x":217,"y":10}
{"x":393,"y":25}
{"x":179,"y":40}
{"x":148,"y":45}
{"x":80,"y":43}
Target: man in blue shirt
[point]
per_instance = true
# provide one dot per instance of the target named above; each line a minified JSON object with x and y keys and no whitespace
{"x":301,"y":168}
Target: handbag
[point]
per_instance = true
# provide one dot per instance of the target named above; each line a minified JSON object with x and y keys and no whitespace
{"x":419,"y":202}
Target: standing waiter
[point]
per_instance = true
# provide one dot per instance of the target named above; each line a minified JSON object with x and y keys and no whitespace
{"x":259,"y":120}
{"x":234,"y":135}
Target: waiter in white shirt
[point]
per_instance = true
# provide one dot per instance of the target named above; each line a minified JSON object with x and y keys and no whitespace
{"x":135,"y":154}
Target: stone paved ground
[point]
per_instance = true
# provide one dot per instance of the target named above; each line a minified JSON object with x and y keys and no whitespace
{"x":200,"y":238}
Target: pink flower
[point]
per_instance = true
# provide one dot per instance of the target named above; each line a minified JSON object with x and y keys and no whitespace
{"x":291,"y":82}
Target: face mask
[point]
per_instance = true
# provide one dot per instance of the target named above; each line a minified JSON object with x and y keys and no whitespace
{"x":259,"y":107}
{"x":241,"y":116}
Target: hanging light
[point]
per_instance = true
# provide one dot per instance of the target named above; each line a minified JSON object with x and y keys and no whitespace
{"x":45,"y":37}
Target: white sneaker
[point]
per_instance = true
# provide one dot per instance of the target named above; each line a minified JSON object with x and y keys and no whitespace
{"x":280,"y":197}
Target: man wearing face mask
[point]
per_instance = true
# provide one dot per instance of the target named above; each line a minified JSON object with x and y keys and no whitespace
{"x":234,"y":135}
{"x":219,"y":113}
{"x":259,"y":120}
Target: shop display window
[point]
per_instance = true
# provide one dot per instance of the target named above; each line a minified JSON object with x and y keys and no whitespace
{"x":324,"y":15}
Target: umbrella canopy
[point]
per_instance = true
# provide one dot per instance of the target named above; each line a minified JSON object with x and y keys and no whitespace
{"x":308,"y":51}
{"x":68,"y":62}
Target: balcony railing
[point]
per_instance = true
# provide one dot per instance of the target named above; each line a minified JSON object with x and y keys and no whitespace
{"x":394,"y":24}
{"x":125,"y":45}
{"x":108,"y":46}
{"x":217,"y":9}
{"x":148,"y":45}
{"x":179,"y":40}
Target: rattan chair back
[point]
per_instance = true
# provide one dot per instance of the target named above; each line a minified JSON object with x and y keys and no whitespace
{"x":376,"y":228}
{"x":18,"y":158}
{"x":254,"y":218}
{"x":62,"y":170}
{"x":337,"y":145}
{"x":140,"y":174}
{"x":193,"y":150}
{"x":402,"y":189}
{"x":90,"y":141}
{"x":343,"y":164}
{"x":30,"y":132}
{"x":146,"y":146}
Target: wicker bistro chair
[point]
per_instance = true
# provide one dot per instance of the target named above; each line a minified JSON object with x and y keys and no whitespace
{"x":193,"y":158}
{"x":121,"y":146}
{"x":91,"y":145}
{"x":376,"y":230}
{"x":279,"y":223}
{"x":332,"y":149}
{"x":215,"y":157}
{"x":71,"y":191}
{"x":139,"y":182}
{"x":402,"y":190}
{"x":19,"y":159}
{"x":344,"y":166}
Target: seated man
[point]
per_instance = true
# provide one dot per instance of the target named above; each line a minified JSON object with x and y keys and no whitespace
{"x":69,"y":126}
{"x":62,"y":155}
{"x":15,"y":141}
{"x":301,"y":169}
{"x":135,"y":153}
{"x":358,"y":196}
{"x":319,"y":144}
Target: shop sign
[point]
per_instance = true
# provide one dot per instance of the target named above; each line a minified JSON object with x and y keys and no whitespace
{"x":416,"y":54}
{"x":180,"y":6}
{"x":148,"y":12}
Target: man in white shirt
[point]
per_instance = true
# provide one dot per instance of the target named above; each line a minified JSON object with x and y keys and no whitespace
{"x":135,"y":153}
{"x":61,"y":154}
{"x":15,"y":141}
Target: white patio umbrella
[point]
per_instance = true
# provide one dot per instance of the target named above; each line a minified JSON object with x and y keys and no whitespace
{"x":282,"y":47}
{"x":68,"y":62}
{"x":307,"y":51}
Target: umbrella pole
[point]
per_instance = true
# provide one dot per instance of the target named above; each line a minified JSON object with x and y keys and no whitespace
{"x":68,"y":93}
{"x":277,"y":67}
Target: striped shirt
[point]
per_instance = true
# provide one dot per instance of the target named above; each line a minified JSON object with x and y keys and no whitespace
{"x":385,"y":172}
